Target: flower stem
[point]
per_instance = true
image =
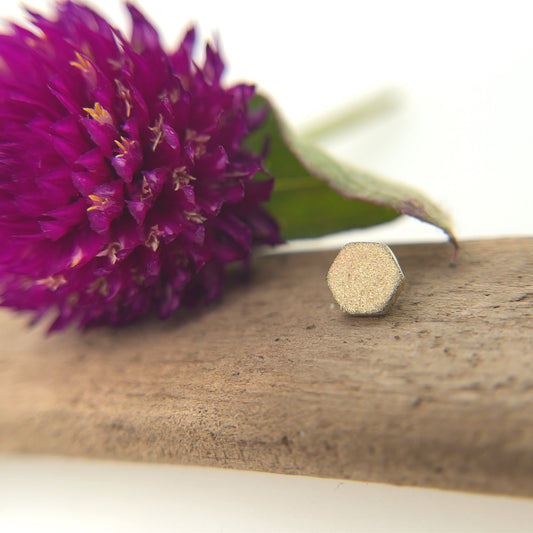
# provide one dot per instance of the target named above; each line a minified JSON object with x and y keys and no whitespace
{"x":352,"y":114}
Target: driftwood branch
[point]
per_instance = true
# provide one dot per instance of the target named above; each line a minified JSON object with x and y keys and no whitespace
{"x":275,"y":378}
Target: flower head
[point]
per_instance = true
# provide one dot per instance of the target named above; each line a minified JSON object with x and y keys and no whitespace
{"x":124,"y":183}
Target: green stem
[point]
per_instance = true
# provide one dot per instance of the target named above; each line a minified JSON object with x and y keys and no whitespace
{"x":352,"y":114}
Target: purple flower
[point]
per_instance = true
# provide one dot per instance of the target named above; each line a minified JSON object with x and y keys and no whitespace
{"x":124,"y":183}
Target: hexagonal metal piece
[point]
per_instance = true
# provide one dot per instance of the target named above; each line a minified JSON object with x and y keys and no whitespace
{"x":365,"y":278}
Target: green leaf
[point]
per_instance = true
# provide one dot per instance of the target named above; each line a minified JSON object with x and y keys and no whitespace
{"x":314,"y":194}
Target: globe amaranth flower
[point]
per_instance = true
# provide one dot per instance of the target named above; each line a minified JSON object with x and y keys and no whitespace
{"x":124,"y":183}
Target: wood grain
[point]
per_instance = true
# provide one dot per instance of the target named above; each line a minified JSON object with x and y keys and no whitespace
{"x":275,"y":378}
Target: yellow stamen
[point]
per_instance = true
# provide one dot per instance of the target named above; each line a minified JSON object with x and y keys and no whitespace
{"x":194,"y":217}
{"x":153,"y":238}
{"x":82,"y":63}
{"x":111,"y":252}
{"x":76,"y":257}
{"x":124,"y":145}
{"x":192,"y":135}
{"x":99,"y":202}
{"x":157,"y":132}
{"x":121,"y":147}
{"x":198,"y":141}
{"x":52,"y":282}
{"x":146,"y":192}
{"x":125,"y":95}
{"x":99,"y":114}
{"x":180,"y":176}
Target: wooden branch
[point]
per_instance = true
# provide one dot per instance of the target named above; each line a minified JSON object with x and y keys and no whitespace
{"x":275,"y":378}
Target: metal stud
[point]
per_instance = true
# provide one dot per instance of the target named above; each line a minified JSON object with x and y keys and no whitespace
{"x":365,"y":278}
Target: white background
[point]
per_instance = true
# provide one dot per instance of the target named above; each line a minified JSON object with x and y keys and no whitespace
{"x":462,"y":134}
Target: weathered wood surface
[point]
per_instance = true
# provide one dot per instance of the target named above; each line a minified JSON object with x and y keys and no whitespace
{"x":275,"y":378}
